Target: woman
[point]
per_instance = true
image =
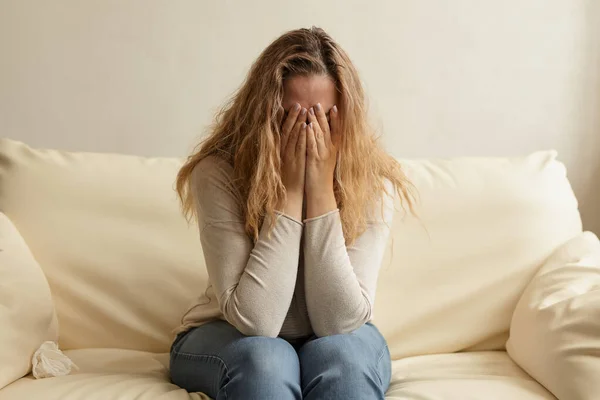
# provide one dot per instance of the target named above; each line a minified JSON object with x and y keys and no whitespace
{"x":294,"y":199}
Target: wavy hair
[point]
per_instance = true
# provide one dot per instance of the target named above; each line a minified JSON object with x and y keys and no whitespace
{"x":246,"y":133}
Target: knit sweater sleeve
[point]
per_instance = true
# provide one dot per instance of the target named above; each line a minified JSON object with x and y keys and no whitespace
{"x":340,"y":280}
{"x":254,"y":283}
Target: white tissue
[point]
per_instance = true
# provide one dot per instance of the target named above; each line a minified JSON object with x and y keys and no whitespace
{"x":49,"y":361}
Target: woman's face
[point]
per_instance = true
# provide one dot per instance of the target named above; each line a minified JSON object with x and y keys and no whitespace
{"x":308,"y":91}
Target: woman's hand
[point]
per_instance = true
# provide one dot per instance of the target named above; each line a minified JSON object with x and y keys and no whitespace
{"x":322,"y":141}
{"x":321,"y":152}
{"x":293,"y":160}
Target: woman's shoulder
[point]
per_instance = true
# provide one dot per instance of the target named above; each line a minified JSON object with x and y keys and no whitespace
{"x":213,"y":174}
{"x":216,"y":196}
{"x":210,"y":168}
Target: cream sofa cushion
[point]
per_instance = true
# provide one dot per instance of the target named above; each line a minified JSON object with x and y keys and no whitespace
{"x":124,"y":265}
{"x":475,"y":375}
{"x":105,"y":374}
{"x":128,"y":374}
{"x":27,"y":317}
{"x":486,"y":226}
{"x":120,"y":259}
{"x":555,"y":330}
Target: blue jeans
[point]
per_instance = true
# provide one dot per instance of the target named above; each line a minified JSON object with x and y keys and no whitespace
{"x":217,"y":360}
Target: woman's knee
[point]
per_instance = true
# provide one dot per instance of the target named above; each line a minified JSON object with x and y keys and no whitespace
{"x":267,"y":358}
{"x":338,"y":350}
{"x":346,"y":366}
{"x":209,"y":358}
{"x":349,"y":353}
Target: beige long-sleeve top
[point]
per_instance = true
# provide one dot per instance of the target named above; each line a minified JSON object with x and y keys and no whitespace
{"x":302,"y":280}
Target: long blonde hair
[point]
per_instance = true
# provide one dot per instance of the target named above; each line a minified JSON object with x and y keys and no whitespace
{"x":246,"y":133}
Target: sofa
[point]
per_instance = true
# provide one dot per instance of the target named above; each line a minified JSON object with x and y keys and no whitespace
{"x":491,"y":290}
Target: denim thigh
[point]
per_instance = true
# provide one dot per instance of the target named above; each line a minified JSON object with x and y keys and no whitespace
{"x":364,"y":349}
{"x":204,"y":359}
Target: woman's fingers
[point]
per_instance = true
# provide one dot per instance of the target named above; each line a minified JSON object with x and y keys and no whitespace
{"x":290,"y":149}
{"x":301,"y":119}
{"x":295,"y":129}
{"x":318,"y":132}
{"x":288,"y":124}
{"x":311,"y":141}
{"x":334,"y":118}
{"x":291,"y":118}
{"x":322,"y":119}
{"x":301,"y":144}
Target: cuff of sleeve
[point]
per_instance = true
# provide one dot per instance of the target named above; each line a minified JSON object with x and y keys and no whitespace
{"x":288,"y":217}
{"x":336,"y":211}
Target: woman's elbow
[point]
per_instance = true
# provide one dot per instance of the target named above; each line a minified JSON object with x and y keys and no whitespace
{"x":252,"y":326}
{"x":334,"y":322}
{"x":340,"y":326}
{"x":258,"y":330}
{"x":334,"y":329}
{"x":251,"y":321}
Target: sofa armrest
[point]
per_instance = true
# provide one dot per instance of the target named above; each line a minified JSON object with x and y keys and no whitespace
{"x":27,"y":314}
{"x":555,"y":329}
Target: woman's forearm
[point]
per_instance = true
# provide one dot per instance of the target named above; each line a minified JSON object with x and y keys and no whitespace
{"x":320,"y":203}
{"x":292,"y":206}
{"x":258,"y":299}
{"x":253,"y":281}
{"x":336,"y":299}
{"x":340,"y":280}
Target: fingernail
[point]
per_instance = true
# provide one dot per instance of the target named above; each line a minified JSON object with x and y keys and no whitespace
{"x":303,"y":111}
{"x":296,"y":107}
{"x":312,"y":112}
{"x":334,"y":109}
{"x":304,"y":125}
{"x":318,"y":107}
{"x":310,"y":125}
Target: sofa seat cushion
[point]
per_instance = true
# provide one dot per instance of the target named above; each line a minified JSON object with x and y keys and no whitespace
{"x":115,"y":374}
{"x":485,"y":375}
{"x":128,"y":374}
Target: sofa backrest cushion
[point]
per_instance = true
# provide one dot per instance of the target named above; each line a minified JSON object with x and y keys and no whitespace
{"x":121,"y":261}
{"x":485,"y":227}
{"x":123,"y":264}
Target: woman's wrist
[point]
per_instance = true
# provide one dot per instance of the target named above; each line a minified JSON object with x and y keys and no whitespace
{"x":320,"y":202}
{"x":292,"y":206}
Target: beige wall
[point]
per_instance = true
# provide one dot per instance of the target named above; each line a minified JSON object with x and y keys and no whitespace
{"x":446,"y":78}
